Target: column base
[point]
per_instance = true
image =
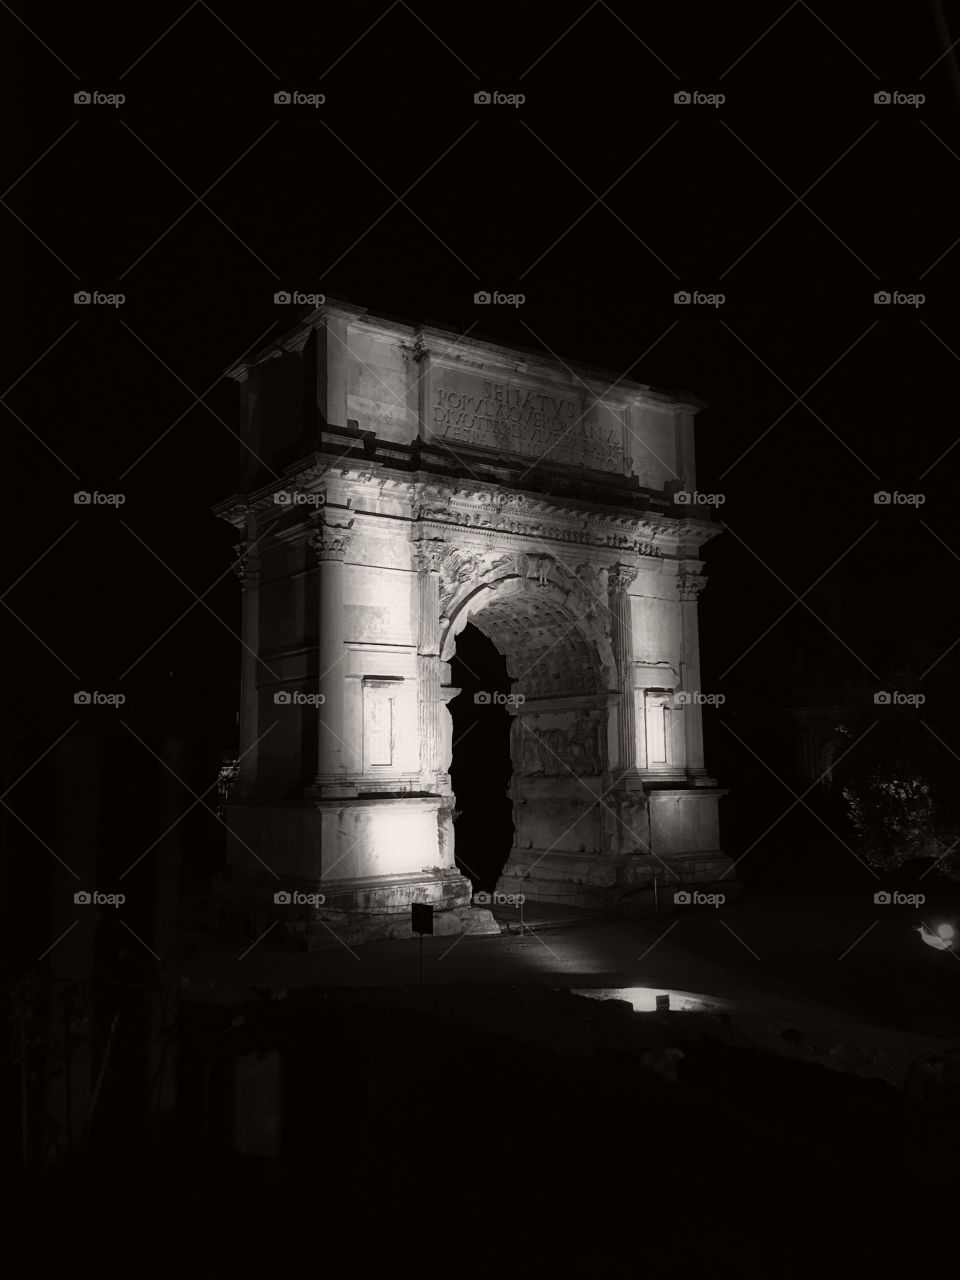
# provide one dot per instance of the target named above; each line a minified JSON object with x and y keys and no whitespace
{"x":629,"y":780}
{"x":330,"y":789}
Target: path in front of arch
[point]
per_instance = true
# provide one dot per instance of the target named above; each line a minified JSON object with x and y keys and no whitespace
{"x":823,"y":969}
{"x":538,"y":917}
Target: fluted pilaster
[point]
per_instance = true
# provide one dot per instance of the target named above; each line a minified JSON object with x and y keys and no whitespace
{"x":619,"y":580}
{"x":690,"y":588}
{"x":330,"y":544}
{"x":427,"y":555}
{"x":247,"y":569}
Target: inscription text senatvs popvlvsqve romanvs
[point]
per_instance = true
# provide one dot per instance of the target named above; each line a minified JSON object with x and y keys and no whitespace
{"x":524,"y":421}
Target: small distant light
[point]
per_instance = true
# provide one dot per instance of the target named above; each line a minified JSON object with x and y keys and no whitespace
{"x":942,"y":940}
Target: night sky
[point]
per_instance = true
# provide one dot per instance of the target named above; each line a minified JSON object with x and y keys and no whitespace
{"x":797,"y":198}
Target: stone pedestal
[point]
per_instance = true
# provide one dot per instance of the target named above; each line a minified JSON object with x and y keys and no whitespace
{"x":344,"y":867}
{"x":683,"y":835}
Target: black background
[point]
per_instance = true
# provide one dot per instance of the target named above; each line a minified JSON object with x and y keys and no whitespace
{"x":598,"y":199}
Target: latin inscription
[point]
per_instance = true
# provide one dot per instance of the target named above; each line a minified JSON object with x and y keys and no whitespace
{"x":518,"y":420}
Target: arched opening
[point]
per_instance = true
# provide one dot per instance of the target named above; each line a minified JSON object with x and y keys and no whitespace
{"x":481,"y":768}
{"x":543,"y":663}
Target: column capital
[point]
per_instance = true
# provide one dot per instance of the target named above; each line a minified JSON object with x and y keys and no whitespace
{"x":620,"y":576}
{"x":428,"y":553}
{"x":330,"y":541}
{"x":691,"y":587}
{"x":247,"y":565}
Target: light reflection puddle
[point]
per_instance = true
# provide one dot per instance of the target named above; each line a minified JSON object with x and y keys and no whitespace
{"x":644,"y":999}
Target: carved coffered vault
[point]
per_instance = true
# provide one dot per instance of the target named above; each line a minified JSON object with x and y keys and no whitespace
{"x":549,"y":625}
{"x":546,"y":653}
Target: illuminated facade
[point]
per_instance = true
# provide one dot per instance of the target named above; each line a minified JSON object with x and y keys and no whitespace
{"x":402,"y":481}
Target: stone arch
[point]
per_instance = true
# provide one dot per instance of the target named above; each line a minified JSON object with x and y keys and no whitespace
{"x":551,"y":632}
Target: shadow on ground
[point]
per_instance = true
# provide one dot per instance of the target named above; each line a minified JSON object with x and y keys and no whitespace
{"x":508,"y":1113}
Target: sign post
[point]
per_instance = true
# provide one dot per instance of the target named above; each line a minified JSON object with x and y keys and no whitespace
{"x":421,"y":922}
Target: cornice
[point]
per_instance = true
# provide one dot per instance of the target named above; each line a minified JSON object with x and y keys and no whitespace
{"x":373,"y":493}
{"x":234,"y":510}
{"x":450,"y":347}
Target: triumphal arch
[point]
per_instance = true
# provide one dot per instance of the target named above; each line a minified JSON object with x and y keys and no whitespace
{"x":399,"y":482}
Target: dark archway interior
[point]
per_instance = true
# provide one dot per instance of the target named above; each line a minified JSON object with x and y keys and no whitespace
{"x":481,"y":767}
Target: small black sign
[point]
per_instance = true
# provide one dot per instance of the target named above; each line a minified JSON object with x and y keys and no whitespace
{"x":422,"y":921}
